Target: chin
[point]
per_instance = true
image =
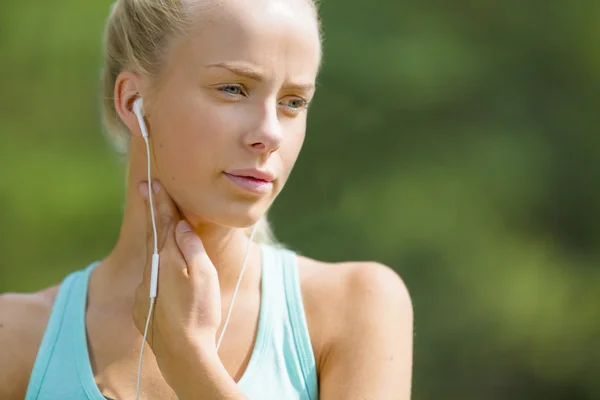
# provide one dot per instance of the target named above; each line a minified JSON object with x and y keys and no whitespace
{"x":231,"y":216}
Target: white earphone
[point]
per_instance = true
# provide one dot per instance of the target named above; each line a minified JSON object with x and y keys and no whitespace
{"x":139,"y":113}
{"x":138,"y":110}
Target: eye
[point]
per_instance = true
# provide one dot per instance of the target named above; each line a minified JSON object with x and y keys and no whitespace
{"x":232,"y":89}
{"x":295,"y":103}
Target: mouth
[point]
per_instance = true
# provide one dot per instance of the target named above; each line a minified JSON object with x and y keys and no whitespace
{"x":257,"y":174}
{"x":251,"y":182}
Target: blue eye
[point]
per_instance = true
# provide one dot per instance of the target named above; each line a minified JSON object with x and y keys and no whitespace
{"x":295,"y":103}
{"x":232,"y":89}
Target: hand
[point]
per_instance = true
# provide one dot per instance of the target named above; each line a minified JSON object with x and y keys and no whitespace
{"x":187,"y":310}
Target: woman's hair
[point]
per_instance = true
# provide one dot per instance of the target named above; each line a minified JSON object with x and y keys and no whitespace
{"x":137,"y":38}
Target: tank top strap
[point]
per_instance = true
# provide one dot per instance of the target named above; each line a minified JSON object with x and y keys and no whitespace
{"x":297,"y":315}
{"x":57,"y":325}
{"x":284,"y":294}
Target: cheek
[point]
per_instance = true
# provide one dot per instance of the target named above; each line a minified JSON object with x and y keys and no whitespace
{"x":191,"y":138}
{"x":290,"y":148}
{"x":196,"y":138}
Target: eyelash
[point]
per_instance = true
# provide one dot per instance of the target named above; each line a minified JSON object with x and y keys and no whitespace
{"x":243,"y":92}
{"x":223,"y":87}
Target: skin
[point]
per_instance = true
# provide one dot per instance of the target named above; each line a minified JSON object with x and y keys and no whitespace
{"x":248,"y":112}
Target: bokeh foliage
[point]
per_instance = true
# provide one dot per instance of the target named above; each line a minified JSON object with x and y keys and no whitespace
{"x":454,"y":141}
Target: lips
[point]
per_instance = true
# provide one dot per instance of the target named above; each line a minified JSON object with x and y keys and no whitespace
{"x":260,"y":175}
{"x":251,"y":177}
{"x":254,"y":181}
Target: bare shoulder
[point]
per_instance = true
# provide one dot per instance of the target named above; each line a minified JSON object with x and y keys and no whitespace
{"x":360,"y":320}
{"x":351,"y":281}
{"x":343,"y":297}
{"x":23,"y":319}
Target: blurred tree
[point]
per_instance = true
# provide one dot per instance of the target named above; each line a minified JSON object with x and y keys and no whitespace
{"x":456,"y":142}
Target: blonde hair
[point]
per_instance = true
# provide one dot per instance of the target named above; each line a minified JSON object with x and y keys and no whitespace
{"x":137,"y":38}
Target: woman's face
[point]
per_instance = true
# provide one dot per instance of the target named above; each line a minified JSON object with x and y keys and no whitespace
{"x":229,"y":118}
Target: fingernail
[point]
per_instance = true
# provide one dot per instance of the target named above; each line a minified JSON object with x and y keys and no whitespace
{"x":155,"y":186}
{"x":144,"y":189}
{"x":184,"y":227}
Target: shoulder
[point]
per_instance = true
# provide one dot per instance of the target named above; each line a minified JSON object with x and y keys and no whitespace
{"x":23,"y":319}
{"x":360,"y":320}
{"x":352,"y":282}
{"x":341,"y":298}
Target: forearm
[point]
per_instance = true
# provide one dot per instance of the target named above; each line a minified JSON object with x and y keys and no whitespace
{"x":202,"y":376}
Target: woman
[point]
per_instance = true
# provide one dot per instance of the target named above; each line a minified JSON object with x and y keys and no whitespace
{"x":225,"y":87}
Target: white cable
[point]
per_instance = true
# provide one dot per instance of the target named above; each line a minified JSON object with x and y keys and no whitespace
{"x":235,"y":291}
{"x":237,"y":286}
{"x":155,"y":257}
{"x":154,"y":266}
{"x":150,"y":197}
{"x":139,"y":374}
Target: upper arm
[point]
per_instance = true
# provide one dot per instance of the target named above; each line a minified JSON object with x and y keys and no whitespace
{"x":369,"y":355}
{"x":23,"y":318}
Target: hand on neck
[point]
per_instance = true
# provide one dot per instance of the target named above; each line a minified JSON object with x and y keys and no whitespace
{"x":225,"y":246}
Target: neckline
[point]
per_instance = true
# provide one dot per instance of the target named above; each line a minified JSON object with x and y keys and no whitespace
{"x":81,"y":351}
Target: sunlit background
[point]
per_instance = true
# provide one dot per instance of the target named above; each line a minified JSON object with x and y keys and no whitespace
{"x":456,"y":141}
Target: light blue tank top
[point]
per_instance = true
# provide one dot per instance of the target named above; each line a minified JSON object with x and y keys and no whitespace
{"x":282,"y":365}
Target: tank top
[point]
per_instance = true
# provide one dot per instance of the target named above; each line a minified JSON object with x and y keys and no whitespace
{"x":282,"y":364}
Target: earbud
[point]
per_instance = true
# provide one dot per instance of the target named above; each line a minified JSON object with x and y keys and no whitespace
{"x":138,"y":110}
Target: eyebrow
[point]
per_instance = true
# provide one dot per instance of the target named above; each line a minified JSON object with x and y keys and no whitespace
{"x":240,"y":70}
{"x":250,"y":73}
{"x":303,"y":87}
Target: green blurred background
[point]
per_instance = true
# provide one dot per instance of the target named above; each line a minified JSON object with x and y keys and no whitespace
{"x":454,"y":141}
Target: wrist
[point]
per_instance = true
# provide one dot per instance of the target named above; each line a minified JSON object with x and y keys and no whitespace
{"x":201,"y":375}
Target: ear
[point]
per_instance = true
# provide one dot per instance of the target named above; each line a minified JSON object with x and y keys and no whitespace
{"x":128,"y":88}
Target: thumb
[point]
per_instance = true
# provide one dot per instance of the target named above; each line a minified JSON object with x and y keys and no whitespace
{"x":191,"y":247}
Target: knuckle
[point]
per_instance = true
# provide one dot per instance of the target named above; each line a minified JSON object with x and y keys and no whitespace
{"x":205,"y":272}
{"x":166,"y":218}
{"x":149,"y":232}
{"x":167,"y":255}
{"x":188,"y":241}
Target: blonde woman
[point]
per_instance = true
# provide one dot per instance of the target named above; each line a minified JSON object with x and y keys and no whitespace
{"x":226,"y":86}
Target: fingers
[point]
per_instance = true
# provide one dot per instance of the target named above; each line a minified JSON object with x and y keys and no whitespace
{"x":166,"y":214}
{"x":191,"y":248}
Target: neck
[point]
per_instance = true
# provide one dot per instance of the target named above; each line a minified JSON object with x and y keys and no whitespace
{"x":122,"y":268}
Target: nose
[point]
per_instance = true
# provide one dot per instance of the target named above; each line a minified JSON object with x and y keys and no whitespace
{"x":266,"y":133}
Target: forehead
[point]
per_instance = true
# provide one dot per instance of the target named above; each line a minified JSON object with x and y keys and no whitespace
{"x":280,"y":37}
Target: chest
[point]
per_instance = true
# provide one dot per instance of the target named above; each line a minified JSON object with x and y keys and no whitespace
{"x":114,"y":345}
